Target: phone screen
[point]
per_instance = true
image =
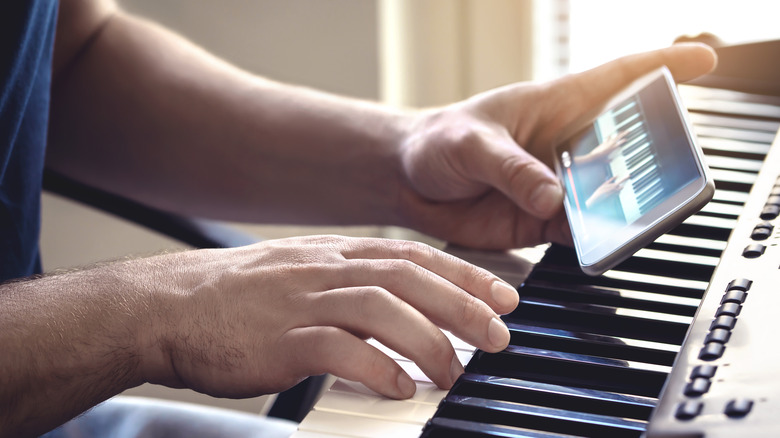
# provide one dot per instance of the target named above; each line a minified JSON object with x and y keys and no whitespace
{"x":634,"y":157}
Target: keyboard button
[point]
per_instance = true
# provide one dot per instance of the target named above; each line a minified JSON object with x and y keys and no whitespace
{"x":770,"y":212}
{"x":704,"y":371}
{"x":742,"y":284}
{"x":712,"y":351}
{"x":697,"y":387}
{"x":724,"y":321}
{"x":761,"y":233}
{"x":730,"y":309}
{"x":718,"y":335}
{"x":689,"y":409}
{"x":753,"y":250}
{"x":738,"y":408}
{"x":734,"y":296}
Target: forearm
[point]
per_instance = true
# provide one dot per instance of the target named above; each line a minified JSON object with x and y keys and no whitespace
{"x":69,"y":341}
{"x":147,"y":115}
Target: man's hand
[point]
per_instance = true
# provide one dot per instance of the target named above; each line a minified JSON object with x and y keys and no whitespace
{"x":478,"y":172}
{"x":258,"y":319}
{"x":606,"y":190}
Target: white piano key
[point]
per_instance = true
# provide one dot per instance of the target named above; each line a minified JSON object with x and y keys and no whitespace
{"x":427,"y":392}
{"x":626,"y":121}
{"x":511,"y":266}
{"x":463,"y":350}
{"x":458,"y":343}
{"x":307,"y":434}
{"x":413,"y":370}
{"x":357,"y":427}
{"x":371,"y":406}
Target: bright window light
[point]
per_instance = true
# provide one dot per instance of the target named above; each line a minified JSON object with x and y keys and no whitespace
{"x":601,"y":30}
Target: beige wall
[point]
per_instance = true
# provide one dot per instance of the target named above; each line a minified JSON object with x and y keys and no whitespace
{"x":328,"y":44}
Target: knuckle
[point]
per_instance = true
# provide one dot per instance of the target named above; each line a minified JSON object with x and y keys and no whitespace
{"x":370,"y":300}
{"x":401,"y":268}
{"x":375,"y":363}
{"x":471,"y":276}
{"x":416,"y":251}
{"x":516,"y":169}
{"x":441,"y":349}
{"x":469,"y":311}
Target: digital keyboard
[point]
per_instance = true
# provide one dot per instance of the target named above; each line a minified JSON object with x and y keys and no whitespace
{"x":677,"y":341}
{"x":635,"y":160}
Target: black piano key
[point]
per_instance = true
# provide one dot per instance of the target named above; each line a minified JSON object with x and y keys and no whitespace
{"x":700,"y":229}
{"x":644,"y":177}
{"x":663,"y":256}
{"x":750,"y":109}
{"x":571,"y":369}
{"x":711,"y":222}
{"x":537,"y":418}
{"x":731,"y":197}
{"x":704,"y":94}
{"x":650,"y":199}
{"x":633,"y":142}
{"x":624,"y":111}
{"x":554,"y":396}
{"x":688,"y":245}
{"x":626,"y":280}
{"x":560,"y":265}
{"x":624,"y":298}
{"x":599,"y":319}
{"x":612,"y":347}
{"x":721,"y":209}
{"x":733,"y":163}
{"x":649,"y":191}
{"x":767,"y":127}
{"x":661,"y":246}
{"x":732,"y":103}
{"x":441,"y":427}
{"x":642,"y":153}
{"x":731,"y":133}
{"x":733,"y":148}
{"x":724,"y":178}
{"x":629,"y":123}
{"x":682,"y":269}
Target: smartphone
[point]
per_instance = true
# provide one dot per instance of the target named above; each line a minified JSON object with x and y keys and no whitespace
{"x":631,"y":170}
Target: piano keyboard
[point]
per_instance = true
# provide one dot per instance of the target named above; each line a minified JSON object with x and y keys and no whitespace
{"x":636,"y":160}
{"x":588,"y":356}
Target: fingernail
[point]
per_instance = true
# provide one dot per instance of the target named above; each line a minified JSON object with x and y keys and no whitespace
{"x":456,"y":369}
{"x":498,"y":334}
{"x":504,"y":295}
{"x":406,"y":385}
{"x":546,"y":198}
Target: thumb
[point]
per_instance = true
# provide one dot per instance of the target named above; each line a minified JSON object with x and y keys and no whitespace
{"x":525,"y":180}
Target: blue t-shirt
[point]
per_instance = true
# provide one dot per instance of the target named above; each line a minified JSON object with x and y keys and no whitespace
{"x":26,"y":42}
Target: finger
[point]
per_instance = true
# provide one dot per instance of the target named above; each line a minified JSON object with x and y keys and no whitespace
{"x":442,"y":302}
{"x":685,"y":61}
{"x":319,"y":350}
{"x":557,"y":230}
{"x":524,"y":179}
{"x":397,"y":325}
{"x":478,"y":282}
